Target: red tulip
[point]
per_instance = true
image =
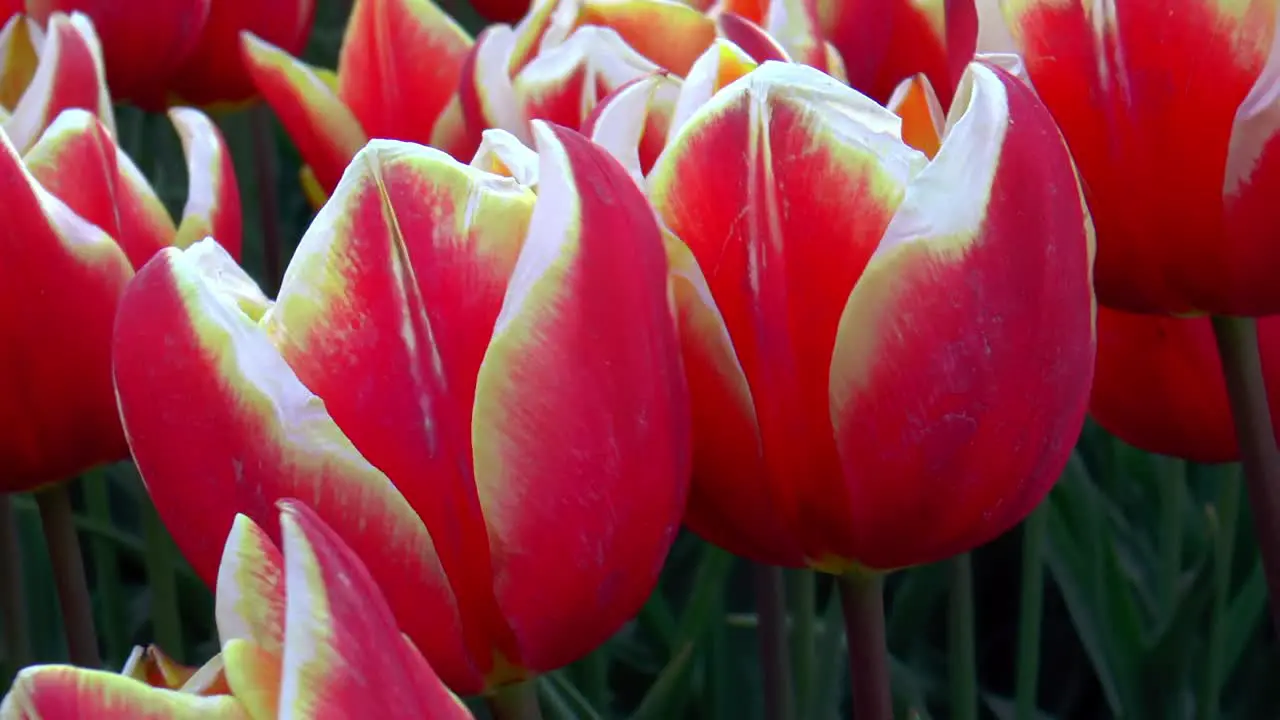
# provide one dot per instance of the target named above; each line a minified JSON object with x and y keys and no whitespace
{"x":305,"y":633}
{"x":1172,"y":119}
{"x":397,"y":78}
{"x":215,"y":72}
{"x":508,"y":361}
{"x":890,"y":358}
{"x":143,"y":41}
{"x":1159,"y":384}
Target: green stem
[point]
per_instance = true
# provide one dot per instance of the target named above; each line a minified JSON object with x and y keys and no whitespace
{"x":265,"y":170}
{"x":596,"y":670}
{"x":59,"y":526}
{"x":775,"y":661}
{"x":962,"y":664}
{"x":162,"y":576}
{"x":803,"y":592}
{"x":1030,"y":611}
{"x":862,"y":598}
{"x":1173,"y":500}
{"x":112,"y":613}
{"x":1246,"y":389}
{"x":515,"y":702}
{"x":1224,"y":516}
{"x":13,"y":610}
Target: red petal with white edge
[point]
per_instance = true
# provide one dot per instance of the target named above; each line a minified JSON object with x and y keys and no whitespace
{"x":884,"y":43}
{"x":581,"y":421}
{"x":69,"y":75}
{"x":1158,"y":386}
{"x":324,"y":129}
{"x":60,"y":692}
{"x":965,"y":353}
{"x":502,"y":153}
{"x":564,"y":84}
{"x":1158,"y":111}
{"x":61,"y":282}
{"x":249,"y":600}
{"x":343,"y":654}
{"x":794,"y":24}
{"x":722,"y":64}
{"x":399,"y":66}
{"x":385,"y":313}
{"x":667,"y":32}
{"x":752,"y":38}
{"x":487,"y":97}
{"x":77,"y":161}
{"x":781,"y":186}
{"x":186,"y":338}
{"x":633,"y":122}
{"x":213,"y":196}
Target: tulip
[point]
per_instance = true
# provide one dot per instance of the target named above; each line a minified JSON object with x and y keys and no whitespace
{"x":215,"y":72}
{"x":305,"y":633}
{"x":479,"y":357}
{"x":889,"y":357}
{"x":143,"y":41}
{"x":397,"y":78}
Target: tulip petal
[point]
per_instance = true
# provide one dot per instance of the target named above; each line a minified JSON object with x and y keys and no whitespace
{"x":254,"y":676}
{"x":754,"y":40}
{"x":485,"y":91}
{"x":324,"y":129}
{"x":411,"y":239}
{"x":213,"y":196}
{"x":153,"y":667}
{"x":19,"y":39}
{"x":250,"y":592}
{"x":502,"y":153}
{"x":564,"y":84}
{"x":964,"y":356}
{"x":582,"y":501}
{"x":76,"y":160}
{"x":722,"y":64}
{"x":1158,"y":385}
{"x":61,"y":692}
{"x":209,"y":679}
{"x":399,"y":66}
{"x":633,"y":121}
{"x":60,"y":418}
{"x":884,"y":43}
{"x":1147,"y":100}
{"x":781,"y":186}
{"x":922,"y":119}
{"x":69,"y":75}
{"x":667,"y":32}
{"x":259,"y":435}
{"x":794,"y":24}
{"x":343,"y":654}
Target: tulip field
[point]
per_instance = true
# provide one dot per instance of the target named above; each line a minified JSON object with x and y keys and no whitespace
{"x":639,"y":359}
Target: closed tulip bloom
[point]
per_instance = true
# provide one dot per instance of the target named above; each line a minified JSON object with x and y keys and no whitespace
{"x":1159,"y":384}
{"x":890,"y":357}
{"x":1172,"y":117}
{"x":305,"y":634}
{"x":478,"y":387}
{"x":215,"y":73}
{"x":143,"y":41}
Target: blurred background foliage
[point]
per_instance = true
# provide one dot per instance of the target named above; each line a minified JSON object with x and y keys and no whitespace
{"x":1135,"y":591}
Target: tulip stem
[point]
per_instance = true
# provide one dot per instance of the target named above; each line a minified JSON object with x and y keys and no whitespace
{"x":1223,"y":517}
{"x":803,"y":592}
{"x":59,"y":526}
{"x":264,"y":165}
{"x":162,"y":577}
{"x":862,"y":598}
{"x":1260,"y":458}
{"x":515,"y":702}
{"x":775,"y":658}
{"x":112,"y":615}
{"x":13,"y":611}
{"x":962,"y":663}
{"x":1030,"y":612}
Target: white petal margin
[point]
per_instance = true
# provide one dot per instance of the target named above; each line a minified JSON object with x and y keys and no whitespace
{"x":553,"y":228}
{"x":1257,"y":121}
{"x":202,"y":149}
{"x":700,"y":84}
{"x":500,"y":149}
{"x":622,"y":117}
{"x":493,"y":50}
{"x":993,"y":32}
{"x":1009,"y":62}
{"x":852,"y":117}
{"x":239,"y":559}
{"x":25,"y":123}
{"x":602,"y":51}
{"x":948,"y":199}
